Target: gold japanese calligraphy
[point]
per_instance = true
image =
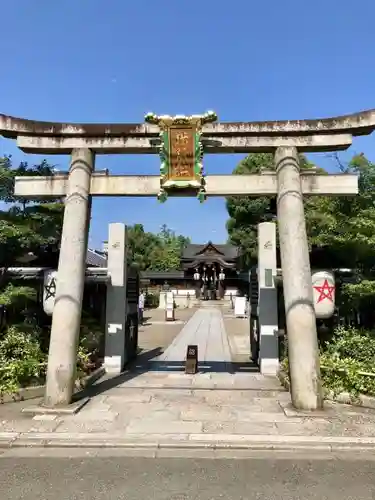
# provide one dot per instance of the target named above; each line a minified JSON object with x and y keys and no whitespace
{"x":181,"y":153}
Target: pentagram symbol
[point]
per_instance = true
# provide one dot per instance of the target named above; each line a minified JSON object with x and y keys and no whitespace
{"x":50,"y":289}
{"x":325,"y":291}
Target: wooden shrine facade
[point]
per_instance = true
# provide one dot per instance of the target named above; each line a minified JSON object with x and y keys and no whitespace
{"x":209,"y":269}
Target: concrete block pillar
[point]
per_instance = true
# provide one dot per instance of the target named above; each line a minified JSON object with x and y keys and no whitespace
{"x":66,"y":317}
{"x":115,"y":356}
{"x":268,"y":314}
{"x":306,"y":390}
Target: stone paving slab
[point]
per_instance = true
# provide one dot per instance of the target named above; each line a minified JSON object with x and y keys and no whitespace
{"x":158,"y":417}
{"x":206,"y":330}
{"x":221,"y":381}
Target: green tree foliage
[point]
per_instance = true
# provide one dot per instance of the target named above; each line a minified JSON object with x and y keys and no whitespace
{"x":343,"y":227}
{"x":246,"y":212}
{"x":26,"y":225}
{"x":347,"y":224}
{"x":156,"y":252}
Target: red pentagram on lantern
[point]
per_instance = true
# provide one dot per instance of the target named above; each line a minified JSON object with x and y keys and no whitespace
{"x":325,"y":291}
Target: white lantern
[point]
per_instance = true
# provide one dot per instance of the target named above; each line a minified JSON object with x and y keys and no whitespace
{"x":323,"y":283}
{"x":49,"y":291}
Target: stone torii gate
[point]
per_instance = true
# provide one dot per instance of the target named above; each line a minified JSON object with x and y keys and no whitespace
{"x":167,"y":135}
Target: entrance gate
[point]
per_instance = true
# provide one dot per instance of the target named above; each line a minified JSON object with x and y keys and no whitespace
{"x":181,"y":141}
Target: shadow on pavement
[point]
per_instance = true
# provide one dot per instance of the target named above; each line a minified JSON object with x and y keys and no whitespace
{"x":145,"y":363}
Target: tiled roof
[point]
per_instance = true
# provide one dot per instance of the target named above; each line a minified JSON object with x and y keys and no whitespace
{"x":229,"y":252}
{"x":94,"y":259}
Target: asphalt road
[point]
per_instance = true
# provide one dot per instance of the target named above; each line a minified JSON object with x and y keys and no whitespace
{"x":94,"y":476}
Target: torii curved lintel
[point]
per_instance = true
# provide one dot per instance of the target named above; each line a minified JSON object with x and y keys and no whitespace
{"x":361,"y":123}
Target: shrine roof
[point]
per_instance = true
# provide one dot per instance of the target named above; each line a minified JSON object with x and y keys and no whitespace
{"x":193,"y":250}
{"x":94,"y":259}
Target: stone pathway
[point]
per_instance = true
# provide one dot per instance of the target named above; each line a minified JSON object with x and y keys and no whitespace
{"x":187,"y":419}
{"x":217,"y":359}
{"x":206,"y":330}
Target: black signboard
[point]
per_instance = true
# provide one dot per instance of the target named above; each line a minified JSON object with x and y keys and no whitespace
{"x":191,"y":365}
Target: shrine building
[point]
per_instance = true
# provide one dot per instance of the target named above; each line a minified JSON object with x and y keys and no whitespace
{"x":207,"y":271}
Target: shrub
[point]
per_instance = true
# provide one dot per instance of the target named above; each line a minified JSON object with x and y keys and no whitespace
{"x":18,"y":343}
{"x":22,"y":361}
{"x":91,"y":337}
{"x":346,"y":375}
{"x":346,"y":359}
{"x":17,"y":297}
{"x":349,"y":342}
{"x":347,"y":362}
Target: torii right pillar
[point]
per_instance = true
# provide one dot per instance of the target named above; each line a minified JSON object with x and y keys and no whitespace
{"x":303,"y":351}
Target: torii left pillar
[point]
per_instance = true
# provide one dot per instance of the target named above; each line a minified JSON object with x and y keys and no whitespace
{"x":66,"y":318}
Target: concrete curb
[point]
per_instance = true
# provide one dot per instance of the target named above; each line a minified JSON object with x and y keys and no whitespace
{"x":37,"y":391}
{"x":193,"y":442}
{"x":346,"y":398}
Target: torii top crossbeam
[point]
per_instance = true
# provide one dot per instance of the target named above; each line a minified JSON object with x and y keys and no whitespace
{"x":323,"y":134}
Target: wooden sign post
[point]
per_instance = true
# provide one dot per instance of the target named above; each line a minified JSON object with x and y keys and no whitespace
{"x":191,"y":365}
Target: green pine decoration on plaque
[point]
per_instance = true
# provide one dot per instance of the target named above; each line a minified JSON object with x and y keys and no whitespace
{"x":181,"y":153}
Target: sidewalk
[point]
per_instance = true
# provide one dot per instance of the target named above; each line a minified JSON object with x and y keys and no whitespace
{"x":185,"y":418}
{"x":146,"y":410}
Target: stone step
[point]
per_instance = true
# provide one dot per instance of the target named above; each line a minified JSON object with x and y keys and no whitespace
{"x":203,"y":381}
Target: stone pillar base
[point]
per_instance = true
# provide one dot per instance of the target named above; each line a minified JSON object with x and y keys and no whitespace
{"x":113,"y":365}
{"x":269,"y":366}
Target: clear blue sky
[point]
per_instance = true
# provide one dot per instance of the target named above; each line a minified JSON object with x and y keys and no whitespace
{"x":114,"y":60}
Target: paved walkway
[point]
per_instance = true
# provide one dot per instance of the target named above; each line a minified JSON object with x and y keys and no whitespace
{"x":206,"y":330}
{"x":185,"y":420}
{"x":217,"y":359}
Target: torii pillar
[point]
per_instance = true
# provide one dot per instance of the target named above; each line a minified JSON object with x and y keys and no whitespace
{"x":66,"y":317}
{"x":303,"y":352}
